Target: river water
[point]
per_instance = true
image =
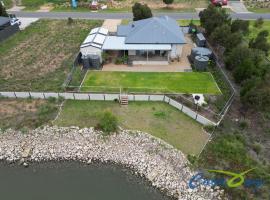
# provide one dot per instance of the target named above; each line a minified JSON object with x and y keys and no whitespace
{"x":74,"y":181}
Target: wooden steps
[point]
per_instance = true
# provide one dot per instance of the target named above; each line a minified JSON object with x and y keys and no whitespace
{"x":124,"y":99}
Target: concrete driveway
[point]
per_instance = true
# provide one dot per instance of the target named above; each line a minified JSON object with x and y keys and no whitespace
{"x":111,"y":24}
{"x":238,"y":7}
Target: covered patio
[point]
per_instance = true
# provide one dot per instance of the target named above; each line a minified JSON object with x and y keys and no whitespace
{"x":139,"y":54}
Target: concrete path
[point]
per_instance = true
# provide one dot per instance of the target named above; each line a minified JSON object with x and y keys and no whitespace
{"x":26,"y":22}
{"x":111,"y":24}
{"x":238,"y":7}
{"x":16,"y":9}
{"x":89,"y":15}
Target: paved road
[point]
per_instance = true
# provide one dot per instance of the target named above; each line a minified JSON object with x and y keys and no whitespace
{"x":91,"y":15}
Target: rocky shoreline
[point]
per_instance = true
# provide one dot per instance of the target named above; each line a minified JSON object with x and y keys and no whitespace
{"x":165,"y":167}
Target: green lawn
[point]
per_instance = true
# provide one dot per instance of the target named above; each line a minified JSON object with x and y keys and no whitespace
{"x":186,"y":22}
{"x":156,"y":118}
{"x":254,"y":30}
{"x":259,"y":10}
{"x":156,"y":82}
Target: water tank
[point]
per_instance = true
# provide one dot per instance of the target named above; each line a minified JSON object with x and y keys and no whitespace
{"x":85,"y":62}
{"x":95,"y":61}
{"x":200,"y":51}
{"x":201,"y":63}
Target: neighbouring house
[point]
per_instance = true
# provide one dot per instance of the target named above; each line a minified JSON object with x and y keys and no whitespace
{"x":6,"y":29}
{"x":152,"y":41}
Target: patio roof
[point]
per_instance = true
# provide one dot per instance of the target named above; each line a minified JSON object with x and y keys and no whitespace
{"x":118,"y":43}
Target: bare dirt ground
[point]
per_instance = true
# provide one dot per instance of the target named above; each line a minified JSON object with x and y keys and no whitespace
{"x":19,"y":113}
{"x":39,"y":57}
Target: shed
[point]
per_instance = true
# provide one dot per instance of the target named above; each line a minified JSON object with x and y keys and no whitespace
{"x":200,"y":40}
{"x":93,"y":43}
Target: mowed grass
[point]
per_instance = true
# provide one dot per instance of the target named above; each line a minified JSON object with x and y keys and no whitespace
{"x":39,"y":57}
{"x":156,"y":118}
{"x":253,"y":31}
{"x":155,"y":82}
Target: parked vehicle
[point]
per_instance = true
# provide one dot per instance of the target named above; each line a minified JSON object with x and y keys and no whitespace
{"x":219,"y":2}
{"x":14,"y":20}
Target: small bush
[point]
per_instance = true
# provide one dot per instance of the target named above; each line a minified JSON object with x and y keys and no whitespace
{"x":70,"y":21}
{"x":243,"y":124}
{"x":209,"y":128}
{"x":257,"y":147}
{"x":108,"y":123}
{"x":160,"y":114}
{"x":258,"y":23}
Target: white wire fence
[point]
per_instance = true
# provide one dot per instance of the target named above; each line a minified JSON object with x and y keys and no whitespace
{"x":112,"y":97}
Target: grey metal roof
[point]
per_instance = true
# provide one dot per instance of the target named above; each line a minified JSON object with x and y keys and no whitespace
{"x":4,"y":20}
{"x":200,"y":36}
{"x":118,"y":43}
{"x":155,"y":30}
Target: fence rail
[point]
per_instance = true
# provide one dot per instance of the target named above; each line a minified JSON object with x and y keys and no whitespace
{"x":111,"y":97}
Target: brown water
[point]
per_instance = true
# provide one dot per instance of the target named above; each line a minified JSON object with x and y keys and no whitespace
{"x":73,"y":181}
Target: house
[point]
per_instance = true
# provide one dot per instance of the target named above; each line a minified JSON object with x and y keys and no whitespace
{"x":6,"y":29}
{"x":152,"y":41}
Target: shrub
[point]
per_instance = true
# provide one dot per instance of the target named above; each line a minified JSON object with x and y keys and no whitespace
{"x":141,"y":11}
{"x":240,"y":25}
{"x":167,"y":2}
{"x":70,"y":21}
{"x":258,"y":23}
{"x":260,"y":42}
{"x":3,"y":12}
{"x":257,"y":147}
{"x":108,"y":123}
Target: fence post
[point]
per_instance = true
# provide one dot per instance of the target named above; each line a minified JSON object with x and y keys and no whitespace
{"x":104,"y":97}
{"x":74,"y":96}
{"x":89,"y":97}
{"x":15,"y":95}
{"x":29,"y":95}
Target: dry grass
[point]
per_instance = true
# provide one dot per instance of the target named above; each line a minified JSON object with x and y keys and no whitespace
{"x":26,"y":113}
{"x":39,"y":57}
{"x":156,"y":118}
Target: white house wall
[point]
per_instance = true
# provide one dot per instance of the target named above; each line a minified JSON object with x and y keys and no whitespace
{"x":86,"y":51}
{"x":176,"y":51}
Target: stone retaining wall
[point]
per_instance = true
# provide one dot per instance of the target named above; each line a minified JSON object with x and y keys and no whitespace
{"x":166,"y":167}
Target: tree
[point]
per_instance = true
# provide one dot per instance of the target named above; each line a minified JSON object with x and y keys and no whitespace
{"x":168,"y":2}
{"x":238,"y":54}
{"x":3,"y":12}
{"x":256,"y":93}
{"x":223,"y":36}
{"x":260,"y":42}
{"x":213,"y":17}
{"x":240,"y":25}
{"x":258,"y":23}
{"x":247,"y":69}
{"x":141,"y":11}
